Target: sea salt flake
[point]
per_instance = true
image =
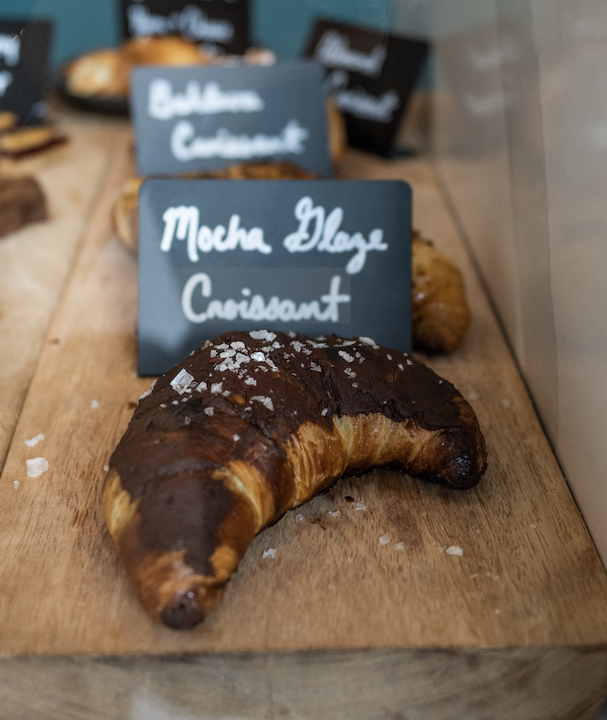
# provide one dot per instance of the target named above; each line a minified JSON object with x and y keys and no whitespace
{"x":241,"y":358}
{"x":266,"y":401}
{"x":35,"y":440}
{"x":334,"y":513}
{"x":384,"y":540}
{"x":474,"y":575}
{"x":441,"y":548}
{"x":367,"y":341}
{"x":346,"y":356}
{"x":399,"y":546}
{"x":250,"y":381}
{"x":236,"y":438}
{"x":506,"y":403}
{"x":389,"y":357}
{"x":227,"y":354}
{"x":359,"y":506}
{"x":209,"y":411}
{"x":36,"y":466}
{"x":262,"y":335}
{"x":350,"y":372}
{"x":258,"y":356}
{"x":201,"y":386}
{"x":400,"y":366}
{"x":315,"y":367}
{"x":181,"y":381}
{"x":269,"y":553}
{"x":216,"y":388}
{"x":223,"y":346}
{"x":106,"y":468}
{"x":472,"y":395}
{"x":454,"y":550}
{"x":299,"y":517}
{"x":409,"y":362}
{"x":324,"y":411}
{"x":94,"y":404}
{"x":331,"y":587}
{"x":16,"y":484}
{"x":238,"y":345}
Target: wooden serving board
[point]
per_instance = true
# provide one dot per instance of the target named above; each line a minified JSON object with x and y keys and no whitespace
{"x":387,"y":597}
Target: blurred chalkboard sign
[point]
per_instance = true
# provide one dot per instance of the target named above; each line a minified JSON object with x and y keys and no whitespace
{"x":371,"y":75}
{"x":314,"y":256}
{"x":220,"y":25}
{"x":206,"y":117}
{"x":24,"y":56}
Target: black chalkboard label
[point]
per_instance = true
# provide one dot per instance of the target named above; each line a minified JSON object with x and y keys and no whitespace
{"x":371,"y":75}
{"x":208,"y":117}
{"x":219,"y":25}
{"x":24,"y":54}
{"x":313,"y":256}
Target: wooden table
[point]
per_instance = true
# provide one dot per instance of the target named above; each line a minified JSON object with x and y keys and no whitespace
{"x":338,"y":624}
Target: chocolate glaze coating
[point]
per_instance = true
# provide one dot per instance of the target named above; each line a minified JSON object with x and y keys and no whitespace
{"x":241,"y":397}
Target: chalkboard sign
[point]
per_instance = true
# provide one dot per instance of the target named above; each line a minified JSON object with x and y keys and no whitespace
{"x":24,"y":53}
{"x":314,"y":256}
{"x":371,"y":75}
{"x":219,"y":25}
{"x":208,"y":117}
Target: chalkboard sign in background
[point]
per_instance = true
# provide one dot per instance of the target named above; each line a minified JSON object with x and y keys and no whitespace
{"x":318,"y":257}
{"x":220,"y":25}
{"x":371,"y":75}
{"x":207,"y":117}
{"x":24,"y":56}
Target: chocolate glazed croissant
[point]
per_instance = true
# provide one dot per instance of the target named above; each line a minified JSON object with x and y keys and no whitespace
{"x":254,"y":424}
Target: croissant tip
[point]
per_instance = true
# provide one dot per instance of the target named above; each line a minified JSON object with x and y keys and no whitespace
{"x":183,"y":612}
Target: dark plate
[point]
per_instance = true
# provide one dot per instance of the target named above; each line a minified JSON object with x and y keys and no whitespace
{"x":103,"y":105}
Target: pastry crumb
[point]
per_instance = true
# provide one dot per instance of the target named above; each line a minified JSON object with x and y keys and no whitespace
{"x":454,"y":550}
{"x":36,"y":466}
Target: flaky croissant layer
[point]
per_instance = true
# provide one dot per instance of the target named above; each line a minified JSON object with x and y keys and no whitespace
{"x":254,"y":424}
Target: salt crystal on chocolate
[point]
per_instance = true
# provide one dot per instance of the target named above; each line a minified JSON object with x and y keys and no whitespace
{"x":181,"y":381}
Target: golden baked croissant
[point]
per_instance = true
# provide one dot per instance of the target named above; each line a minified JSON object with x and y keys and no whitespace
{"x":254,"y":424}
{"x":105,"y":73}
{"x":440,"y":312}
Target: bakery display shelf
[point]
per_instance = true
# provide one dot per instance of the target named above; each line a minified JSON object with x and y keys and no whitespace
{"x":412,"y":601}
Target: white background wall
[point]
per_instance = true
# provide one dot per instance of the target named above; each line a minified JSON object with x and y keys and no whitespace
{"x":520,"y":138}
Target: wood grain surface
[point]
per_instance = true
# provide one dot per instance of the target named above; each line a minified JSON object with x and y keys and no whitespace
{"x":525,"y":599}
